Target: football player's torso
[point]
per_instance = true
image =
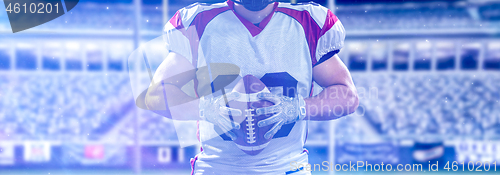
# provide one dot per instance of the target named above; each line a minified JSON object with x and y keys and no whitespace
{"x":280,"y":48}
{"x":280,"y":57}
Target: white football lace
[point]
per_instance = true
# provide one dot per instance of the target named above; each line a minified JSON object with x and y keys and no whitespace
{"x":250,"y":125}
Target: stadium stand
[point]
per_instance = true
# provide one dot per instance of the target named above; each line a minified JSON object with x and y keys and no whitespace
{"x":428,"y":87}
{"x":54,"y":106}
{"x":415,"y":105}
{"x":415,"y":18}
{"x":354,"y":18}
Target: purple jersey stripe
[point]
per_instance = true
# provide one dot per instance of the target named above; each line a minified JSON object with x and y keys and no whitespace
{"x":331,"y":19}
{"x":311,"y":28}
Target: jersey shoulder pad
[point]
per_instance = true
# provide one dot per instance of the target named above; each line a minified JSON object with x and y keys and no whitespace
{"x":316,"y":11}
{"x":189,"y":12}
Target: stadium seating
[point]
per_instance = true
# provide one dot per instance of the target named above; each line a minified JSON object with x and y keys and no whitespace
{"x":61,"y":103}
{"x":419,"y":18}
{"x":55,"y":106}
{"x":444,"y":105}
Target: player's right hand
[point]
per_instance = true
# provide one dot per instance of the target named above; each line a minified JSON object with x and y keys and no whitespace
{"x":214,"y":110}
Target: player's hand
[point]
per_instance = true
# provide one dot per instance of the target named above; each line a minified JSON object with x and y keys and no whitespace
{"x":214,"y":110}
{"x":286,"y":110}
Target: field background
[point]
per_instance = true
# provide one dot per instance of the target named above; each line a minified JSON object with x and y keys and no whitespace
{"x":429,"y":70}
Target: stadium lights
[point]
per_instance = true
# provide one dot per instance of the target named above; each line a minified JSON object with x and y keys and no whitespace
{"x":72,"y":46}
{"x":91,"y":47}
{"x":24,"y":45}
{"x":52,"y":45}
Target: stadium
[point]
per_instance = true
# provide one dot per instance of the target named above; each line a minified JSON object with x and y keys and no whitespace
{"x":427,"y":73}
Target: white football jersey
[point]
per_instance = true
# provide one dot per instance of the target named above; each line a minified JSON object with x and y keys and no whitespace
{"x":281,"y":50}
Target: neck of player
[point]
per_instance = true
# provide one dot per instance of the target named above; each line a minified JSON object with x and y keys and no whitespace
{"x":254,"y":17}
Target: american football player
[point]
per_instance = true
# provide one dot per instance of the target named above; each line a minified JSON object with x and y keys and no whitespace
{"x":292,"y":48}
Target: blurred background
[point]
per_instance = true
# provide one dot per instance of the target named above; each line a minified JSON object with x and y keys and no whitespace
{"x":428,"y":74}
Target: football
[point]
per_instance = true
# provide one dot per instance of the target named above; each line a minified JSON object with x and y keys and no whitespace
{"x":250,"y":138}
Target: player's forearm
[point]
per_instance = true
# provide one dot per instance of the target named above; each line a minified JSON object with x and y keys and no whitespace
{"x":180,"y":105}
{"x":333,"y":102}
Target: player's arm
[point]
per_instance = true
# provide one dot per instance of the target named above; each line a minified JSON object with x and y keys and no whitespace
{"x":339,"y":96}
{"x":173,"y":73}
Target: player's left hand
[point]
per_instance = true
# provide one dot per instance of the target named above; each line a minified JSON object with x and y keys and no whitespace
{"x":286,"y":110}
